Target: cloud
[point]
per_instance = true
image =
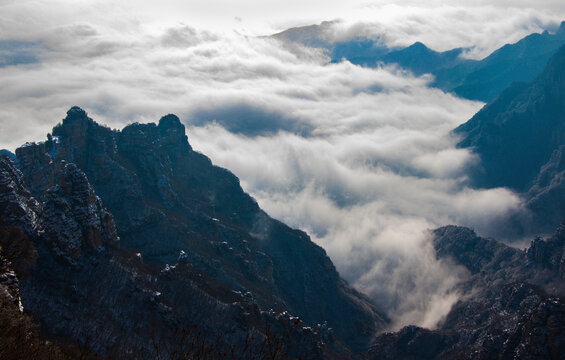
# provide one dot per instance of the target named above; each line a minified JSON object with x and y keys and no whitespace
{"x":371,"y":218}
{"x":360,"y":158}
{"x":480,"y":26}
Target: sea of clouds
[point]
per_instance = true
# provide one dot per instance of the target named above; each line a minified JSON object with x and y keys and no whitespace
{"x":362,"y":159}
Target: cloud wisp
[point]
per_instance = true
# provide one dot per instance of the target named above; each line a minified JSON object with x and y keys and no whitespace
{"x":362,"y":159}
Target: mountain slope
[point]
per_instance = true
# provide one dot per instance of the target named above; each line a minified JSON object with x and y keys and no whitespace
{"x":485,"y":79}
{"x":420,"y":59}
{"x":516,"y":134}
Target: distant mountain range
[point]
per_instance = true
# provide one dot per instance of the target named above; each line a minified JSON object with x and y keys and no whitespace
{"x":471,"y":79}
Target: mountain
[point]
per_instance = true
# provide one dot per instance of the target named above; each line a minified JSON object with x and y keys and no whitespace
{"x":420,"y":59}
{"x":371,"y":52}
{"x":316,"y":36}
{"x":480,"y":80}
{"x":359,"y":51}
{"x":511,"y":305}
{"x":417,"y":58}
{"x":485,"y":79}
{"x":7,"y":153}
{"x":138,"y":237}
{"x":516,"y":134}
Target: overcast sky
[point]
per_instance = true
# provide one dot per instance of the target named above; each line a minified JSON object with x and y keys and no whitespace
{"x":362,"y":159}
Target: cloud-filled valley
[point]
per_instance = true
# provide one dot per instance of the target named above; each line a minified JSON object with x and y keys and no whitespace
{"x":361,"y":159}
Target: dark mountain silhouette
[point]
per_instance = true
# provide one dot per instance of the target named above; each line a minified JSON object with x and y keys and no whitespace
{"x":511,"y":306}
{"x":138,"y":235}
{"x":516,"y":134}
{"x":8,"y":154}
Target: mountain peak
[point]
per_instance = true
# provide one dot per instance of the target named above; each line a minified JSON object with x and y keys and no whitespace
{"x":418,"y":45}
{"x":561,"y":28}
{"x":76,"y":123}
{"x":170,"y":121}
{"x":76,"y":113}
{"x":7,"y":153}
{"x":172,"y":131}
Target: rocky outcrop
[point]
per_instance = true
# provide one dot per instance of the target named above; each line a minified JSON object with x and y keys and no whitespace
{"x":511,"y":306}
{"x":9,"y":282}
{"x":19,"y":207}
{"x":550,"y":253}
{"x":91,"y":227}
{"x":520,"y":322}
{"x":477,"y":254}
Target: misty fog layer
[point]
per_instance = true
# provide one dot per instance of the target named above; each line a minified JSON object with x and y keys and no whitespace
{"x":376,"y":169}
{"x":361,"y":159}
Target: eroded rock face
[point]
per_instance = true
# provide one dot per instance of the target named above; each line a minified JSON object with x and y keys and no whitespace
{"x":82,"y":288}
{"x":550,"y":253}
{"x":91,"y":198}
{"x":546,"y":197}
{"x":9,"y":282}
{"x":91,"y":226}
{"x":19,"y":207}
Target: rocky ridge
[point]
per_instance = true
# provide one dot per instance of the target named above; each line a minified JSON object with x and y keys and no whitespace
{"x":511,"y":306}
{"x":118,"y":207}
